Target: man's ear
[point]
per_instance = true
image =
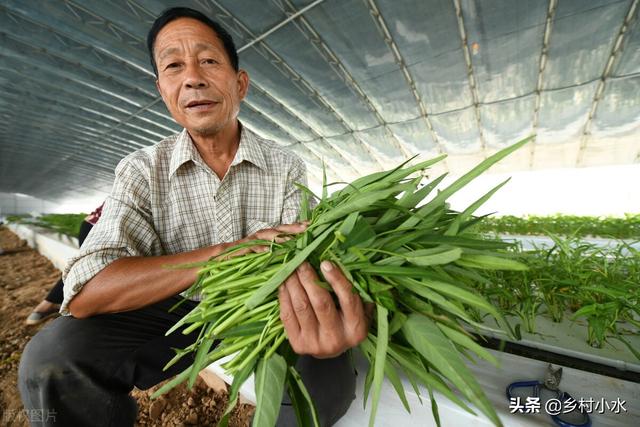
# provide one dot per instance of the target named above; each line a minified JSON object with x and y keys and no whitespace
{"x":159,"y":89}
{"x":243,"y":83}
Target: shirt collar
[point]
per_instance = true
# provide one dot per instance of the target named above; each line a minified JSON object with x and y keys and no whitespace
{"x":249,"y":149}
{"x":183,"y":151}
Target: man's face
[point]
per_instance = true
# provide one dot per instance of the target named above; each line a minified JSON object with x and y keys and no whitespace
{"x":195,"y":77}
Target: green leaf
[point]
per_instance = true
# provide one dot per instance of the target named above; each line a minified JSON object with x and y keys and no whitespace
{"x":324,"y":181}
{"x":461,"y":182}
{"x":392,"y":213}
{"x":386,"y":299}
{"x":585,"y":311}
{"x":462,"y":217}
{"x":348,"y":223}
{"x":368,"y":379}
{"x":465,"y":341}
{"x":461,"y":295}
{"x":380,"y":359}
{"x":243,"y":330}
{"x":425,"y":336}
{"x":463,"y":242}
{"x":397,"y":321}
{"x":359,"y":202}
{"x":368,"y":349}
{"x":634,"y":351}
{"x":435,"y":298}
{"x":434,"y":407}
{"x":300,"y":405}
{"x":415,"y":369}
{"x":390,"y":270}
{"x":385,"y":177}
{"x":361,"y":234}
{"x":409,"y":200}
{"x":490,"y":262}
{"x":395,"y":381}
{"x":403,"y":235}
{"x":376,"y":286}
{"x":459,"y":272}
{"x":201,"y":358}
{"x":433,"y":256}
{"x":270,"y":376}
{"x":238,"y":379}
{"x":304,"y":393}
{"x":305,"y":211}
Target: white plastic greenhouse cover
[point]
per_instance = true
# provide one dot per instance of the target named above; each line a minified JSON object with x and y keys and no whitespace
{"x":360,"y":85}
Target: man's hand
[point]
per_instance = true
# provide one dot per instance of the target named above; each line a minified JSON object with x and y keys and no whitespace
{"x":313,"y":323}
{"x":277,"y":234}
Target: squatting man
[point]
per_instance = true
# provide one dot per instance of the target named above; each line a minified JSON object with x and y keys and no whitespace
{"x":184,"y":200}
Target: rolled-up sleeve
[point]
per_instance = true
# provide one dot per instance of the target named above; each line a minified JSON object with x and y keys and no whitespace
{"x":125,"y":229}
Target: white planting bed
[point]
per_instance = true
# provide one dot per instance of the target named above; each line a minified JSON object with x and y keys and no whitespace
{"x":58,"y":248}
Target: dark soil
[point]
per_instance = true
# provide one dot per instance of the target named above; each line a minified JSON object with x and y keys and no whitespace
{"x":25,"y":279}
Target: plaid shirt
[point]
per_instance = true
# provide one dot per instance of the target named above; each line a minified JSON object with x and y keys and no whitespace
{"x":166,"y":200}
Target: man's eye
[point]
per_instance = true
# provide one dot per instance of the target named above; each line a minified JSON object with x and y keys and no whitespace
{"x":172,"y":66}
{"x":210,"y":61}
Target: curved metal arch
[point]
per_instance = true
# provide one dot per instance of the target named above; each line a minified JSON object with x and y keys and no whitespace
{"x":263,"y":49}
{"x":606,"y":73}
{"x":388,"y":38}
{"x":470,"y":74}
{"x":329,"y":56}
{"x":551,"y":12}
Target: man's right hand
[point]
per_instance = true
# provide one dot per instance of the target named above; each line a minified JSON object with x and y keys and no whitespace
{"x":278,"y":234}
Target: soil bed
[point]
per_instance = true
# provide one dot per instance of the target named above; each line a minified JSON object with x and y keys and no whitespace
{"x":25,"y":278}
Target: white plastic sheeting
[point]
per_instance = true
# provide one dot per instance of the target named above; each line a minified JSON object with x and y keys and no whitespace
{"x":360,"y":85}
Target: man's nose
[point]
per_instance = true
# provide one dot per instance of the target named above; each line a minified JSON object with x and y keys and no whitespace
{"x":194,"y":78}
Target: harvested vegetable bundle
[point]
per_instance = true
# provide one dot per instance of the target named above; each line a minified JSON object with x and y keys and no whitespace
{"x":416,"y":264}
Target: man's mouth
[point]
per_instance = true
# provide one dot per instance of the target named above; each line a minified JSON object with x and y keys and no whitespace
{"x":202,"y":104}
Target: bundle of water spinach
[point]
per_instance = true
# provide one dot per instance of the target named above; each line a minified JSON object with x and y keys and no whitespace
{"x":417,"y":264}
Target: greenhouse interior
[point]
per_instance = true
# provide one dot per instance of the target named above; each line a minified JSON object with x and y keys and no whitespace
{"x":320,"y":212}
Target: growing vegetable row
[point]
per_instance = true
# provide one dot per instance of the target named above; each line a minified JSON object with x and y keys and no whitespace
{"x":627,"y":227}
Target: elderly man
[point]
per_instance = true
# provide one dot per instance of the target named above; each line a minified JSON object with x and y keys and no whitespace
{"x":183,"y":200}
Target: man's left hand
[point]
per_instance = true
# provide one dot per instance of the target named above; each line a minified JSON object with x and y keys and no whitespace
{"x":313,"y":323}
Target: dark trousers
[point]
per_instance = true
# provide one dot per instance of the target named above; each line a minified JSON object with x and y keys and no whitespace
{"x":56,"y":295}
{"x":79,"y":372}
